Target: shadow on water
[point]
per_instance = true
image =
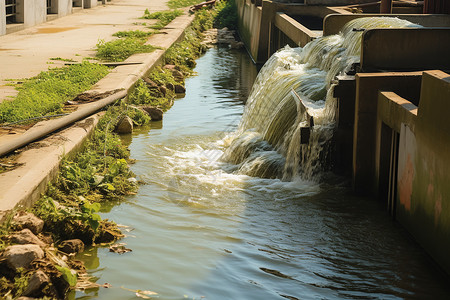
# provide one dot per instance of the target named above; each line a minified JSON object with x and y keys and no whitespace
{"x":198,"y":231}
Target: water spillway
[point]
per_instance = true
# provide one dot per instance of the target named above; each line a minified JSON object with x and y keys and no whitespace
{"x":199,"y":228}
{"x":292,"y":92}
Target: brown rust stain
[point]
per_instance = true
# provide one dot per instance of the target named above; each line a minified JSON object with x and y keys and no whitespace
{"x":405,"y":184}
{"x":55,"y":29}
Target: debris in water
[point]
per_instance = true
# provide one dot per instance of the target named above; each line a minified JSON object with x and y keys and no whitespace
{"x":140,"y":293}
{"x":276,"y":273}
{"x":119,"y":248}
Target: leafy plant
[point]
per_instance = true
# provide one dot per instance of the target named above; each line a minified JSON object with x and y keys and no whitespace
{"x":163,"y":17}
{"x":121,"y":49}
{"x":133,"y":34}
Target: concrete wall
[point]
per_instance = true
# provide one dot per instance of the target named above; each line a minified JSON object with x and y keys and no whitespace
{"x":336,"y":2}
{"x":334,"y":22}
{"x":61,"y":7}
{"x":406,"y":84}
{"x":90,"y":3}
{"x":249,"y":25}
{"x":405,"y":49}
{"x":31,"y":12}
{"x":2,"y":18}
{"x":423,"y":190}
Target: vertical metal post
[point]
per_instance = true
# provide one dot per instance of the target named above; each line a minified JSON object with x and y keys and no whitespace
{"x":386,"y":7}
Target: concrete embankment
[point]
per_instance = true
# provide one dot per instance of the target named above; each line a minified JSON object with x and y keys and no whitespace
{"x":39,"y":161}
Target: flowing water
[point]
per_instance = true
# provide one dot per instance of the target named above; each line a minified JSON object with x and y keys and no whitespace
{"x":202,"y":227}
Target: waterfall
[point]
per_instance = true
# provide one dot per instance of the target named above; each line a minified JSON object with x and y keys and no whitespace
{"x":289,"y":119}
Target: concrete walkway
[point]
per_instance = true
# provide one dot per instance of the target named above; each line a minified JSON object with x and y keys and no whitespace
{"x":27,"y":53}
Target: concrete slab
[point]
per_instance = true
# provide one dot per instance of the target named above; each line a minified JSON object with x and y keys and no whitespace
{"x":24,"y":185}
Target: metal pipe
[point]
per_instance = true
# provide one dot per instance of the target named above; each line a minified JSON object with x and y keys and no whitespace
{"x":386,"y":7}
{"x":33,"y":135}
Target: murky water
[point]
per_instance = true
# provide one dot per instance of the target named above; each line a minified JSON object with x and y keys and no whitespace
{"x":201,"y":232}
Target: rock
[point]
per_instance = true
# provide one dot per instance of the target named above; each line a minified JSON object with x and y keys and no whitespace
{"x":150,"y":83}
{"x":178,"y":75}
{"x":37,"y":282}
{"x":27,"y":220}
{"x":237,"y":45}
{"x":98,"y":179}
{"x":46,"y":238}
{"x":163,"y":90}
{"x":72,"y":246}
{"x":21,"y":256}
{"x":26,"y":237}
{"x":155,"y":113}
{"x":179,"y":89}
{"x":125,"y":125}
{"x":170,"y":67}
{"x":106,"y":236}
{"x":132,"y":180}
{"x":170,"y":86}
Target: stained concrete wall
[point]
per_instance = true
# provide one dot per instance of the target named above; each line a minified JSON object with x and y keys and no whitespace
{"x":405,"y":49}
{"x":423,"y":197}
{"x":336,"y":2}
{"x":249,"y":25}
{"x":2,"y":18}
{"x":257,"y":22}
{"x":333,"y":23}
{"x":31,"y":12}
{"x":364,"y":168}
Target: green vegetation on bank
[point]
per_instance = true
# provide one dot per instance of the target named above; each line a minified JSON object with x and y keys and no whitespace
{"x":226,"y":14}
{"x":163,"y":17}
{"x":133,"y":34}
{"x":46,"y":93}
{"x":122,"y":48}
{"x":182,"y":3}
{"x":99,"y":174}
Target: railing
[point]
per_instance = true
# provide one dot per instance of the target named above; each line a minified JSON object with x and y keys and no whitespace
{"x":10,"y":6}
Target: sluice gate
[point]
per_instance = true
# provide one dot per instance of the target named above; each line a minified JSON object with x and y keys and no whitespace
{"x":392,"y":134}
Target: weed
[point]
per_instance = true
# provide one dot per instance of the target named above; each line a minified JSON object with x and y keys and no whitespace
{"x":226,"y":14}
{"x":133,"y":34}
{"x":62,"y":59}
{"x":121,"y":49}
{"x":182,"y":3}
{"x":163,"y":17}
{"x":46,"y":93}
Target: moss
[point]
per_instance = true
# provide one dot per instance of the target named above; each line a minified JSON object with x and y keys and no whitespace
{"x":46,"y":93}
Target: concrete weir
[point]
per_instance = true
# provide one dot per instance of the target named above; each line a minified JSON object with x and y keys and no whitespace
{"x":392,"y":133}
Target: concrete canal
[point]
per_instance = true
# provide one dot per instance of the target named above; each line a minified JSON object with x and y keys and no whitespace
{"x":199,"y":229}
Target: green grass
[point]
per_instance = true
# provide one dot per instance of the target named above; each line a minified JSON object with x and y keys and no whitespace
{"x":46,"y":93}
{"x":226,"y":14}
{"x":121,"y":49}
{"x":133,"y":34}
{"x":163,"y":17}
{"x":182,"y":3}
